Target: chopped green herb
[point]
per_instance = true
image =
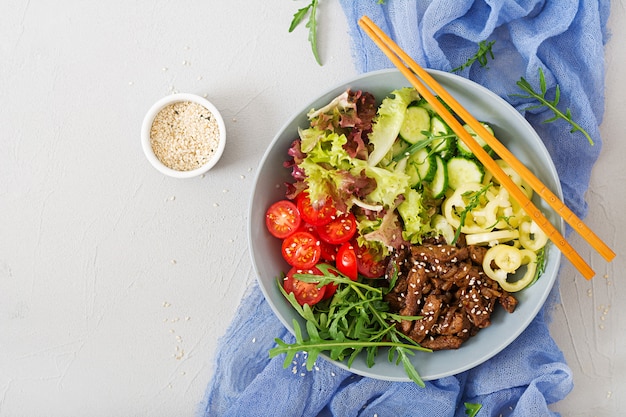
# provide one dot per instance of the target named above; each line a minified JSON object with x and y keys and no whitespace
{"x":484,"y":51}
{"x":550,"y":104}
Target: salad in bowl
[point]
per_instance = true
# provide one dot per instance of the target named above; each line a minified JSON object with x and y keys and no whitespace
{"x":386,"y":245}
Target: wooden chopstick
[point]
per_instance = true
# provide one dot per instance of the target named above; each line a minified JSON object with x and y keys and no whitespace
{"x":568,"y":215}
{"x":391,"y":49}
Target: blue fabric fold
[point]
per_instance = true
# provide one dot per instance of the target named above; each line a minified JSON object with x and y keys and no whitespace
{"x":565,"y":38}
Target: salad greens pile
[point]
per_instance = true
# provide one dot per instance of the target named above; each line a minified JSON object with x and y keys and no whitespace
{"x":333,"y":161}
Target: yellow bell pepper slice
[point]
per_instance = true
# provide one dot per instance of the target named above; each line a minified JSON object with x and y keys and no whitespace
{"x":508,"y":261}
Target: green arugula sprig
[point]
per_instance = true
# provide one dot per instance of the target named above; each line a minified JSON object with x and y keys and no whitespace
{"x":298,"y":17}
{"x":550,"y":104}
{"x":354,"y":320}
{"x":474,"y":201}
{"x":430,"y":138}
{"x":482,"y":55}
{"x":541,"y":265}
{"x":472,"y":409}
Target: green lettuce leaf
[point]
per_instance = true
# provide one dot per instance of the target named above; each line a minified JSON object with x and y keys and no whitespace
{"x":412,"y":212}
{"x":388,"y":122}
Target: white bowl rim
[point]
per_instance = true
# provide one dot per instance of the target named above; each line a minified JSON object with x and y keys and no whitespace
{"x":147,"y":125}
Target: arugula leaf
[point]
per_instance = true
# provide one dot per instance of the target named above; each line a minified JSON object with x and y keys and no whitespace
{"x":472,"y":409}
{"x":474,"y":201}
{"x":355,"y":320}
{"x":298,"y":17}
{"x":549,"y":104}
{"x":484,"y":50}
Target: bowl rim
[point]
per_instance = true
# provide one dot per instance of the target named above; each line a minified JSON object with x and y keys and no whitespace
{"x":555,"y":257}
{"x":147,"y":125}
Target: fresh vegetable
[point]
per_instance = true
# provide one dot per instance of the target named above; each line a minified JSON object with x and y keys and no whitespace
{"x":354,"y":320}
{"x":389,"y":120}
{"x":369,"y":263}
{"x":463,"y":170}
{"x":439,"y":183}
{"x":298,"y":17}
{"x":472,"y":409}
{"x":317,"y":216}
{"x":302,"y":250}
{"x":304,"y":292}
{"x":339,"y":230}
{"x":465,"y":150}
{"x":508,"y":260}
{"x":416,"y":122}
{"x":282,"y":219}
{"x":484,"y":51}
{"x":346,"y":261}
{"x":549,"y":104}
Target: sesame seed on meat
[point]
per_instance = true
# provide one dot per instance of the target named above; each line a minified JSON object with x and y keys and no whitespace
{"x":446,"y":286}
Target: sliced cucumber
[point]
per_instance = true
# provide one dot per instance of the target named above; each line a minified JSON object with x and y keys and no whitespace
{"x":462,"y":170}
{"x":416,"y":120}
{"x":399,"y":147}
{"x":465,"y":150}
{"x":445,"y":144}
{"x":439,"y":183}
{"x":421,"y":167}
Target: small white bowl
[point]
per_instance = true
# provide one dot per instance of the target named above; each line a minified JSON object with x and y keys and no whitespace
{"x":147,"y":126}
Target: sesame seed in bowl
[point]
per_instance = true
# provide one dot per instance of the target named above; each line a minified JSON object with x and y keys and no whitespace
{"x":183,"y":135}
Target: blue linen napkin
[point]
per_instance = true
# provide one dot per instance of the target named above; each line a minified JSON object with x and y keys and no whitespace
{"x":563,"y":37}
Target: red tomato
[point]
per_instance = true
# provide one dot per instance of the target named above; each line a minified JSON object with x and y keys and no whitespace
{"x":302,"y":250}
{"x":368,"y":263}
{"x":305,"y":292}
{"x":338,"y":230}
{"x":316,"y":217}
{"x":282,"y":219}
{"x":329,"y":252}
{"x":346,"y":261}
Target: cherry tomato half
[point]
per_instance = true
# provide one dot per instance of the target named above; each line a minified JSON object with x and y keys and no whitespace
{"x":329,"y":252}
{"x":282,"y":219}
{"x":339,"y":230}
{"x":305,"y":292}
{"x":302,"y":250}
{"x":369,"y":263}
{"x":346,"y":261}
{"x":315,"y":216}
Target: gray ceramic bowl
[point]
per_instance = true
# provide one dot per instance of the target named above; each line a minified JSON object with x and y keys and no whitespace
{"x":512,"y":130}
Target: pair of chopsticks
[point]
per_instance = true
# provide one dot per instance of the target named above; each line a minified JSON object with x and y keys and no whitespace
{"x":414,"y":72}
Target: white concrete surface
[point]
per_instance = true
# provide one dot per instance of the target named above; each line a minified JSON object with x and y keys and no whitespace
{"x":115,"y":281}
